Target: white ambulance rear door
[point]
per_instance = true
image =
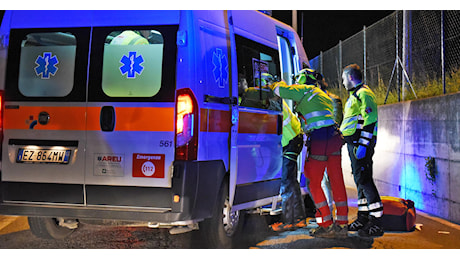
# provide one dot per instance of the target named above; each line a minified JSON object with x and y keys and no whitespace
{"x":130,"y":134}
{"x":44,"y":112}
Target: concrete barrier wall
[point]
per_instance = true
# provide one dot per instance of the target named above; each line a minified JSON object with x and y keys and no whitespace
{"x":408,"y":133}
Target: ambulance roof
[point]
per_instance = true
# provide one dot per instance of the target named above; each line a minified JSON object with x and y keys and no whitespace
{"x":85,"y":18}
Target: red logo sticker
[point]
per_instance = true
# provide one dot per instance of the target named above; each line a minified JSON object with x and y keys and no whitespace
{"x":148,"y":165}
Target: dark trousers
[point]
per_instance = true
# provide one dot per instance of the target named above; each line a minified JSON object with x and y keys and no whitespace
{"x":363,"y":177}
{"x":292,"y":203}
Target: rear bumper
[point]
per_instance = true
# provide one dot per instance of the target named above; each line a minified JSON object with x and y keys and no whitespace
{"x":197,"y":184}
{"x":91,"y":212}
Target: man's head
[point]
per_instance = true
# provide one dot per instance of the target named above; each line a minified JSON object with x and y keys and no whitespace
{"x":351,"y":76}
{"x":242,"y":85}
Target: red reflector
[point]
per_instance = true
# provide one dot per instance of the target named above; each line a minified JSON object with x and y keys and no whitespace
{"x":1,"y":122}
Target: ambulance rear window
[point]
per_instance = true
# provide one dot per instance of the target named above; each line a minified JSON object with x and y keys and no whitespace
{"x":47,"y":64}
{"x":132,"y":63}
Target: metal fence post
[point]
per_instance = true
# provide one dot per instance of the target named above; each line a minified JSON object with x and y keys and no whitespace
{"x":398,"y":88}
{"x":443,"y":67}
{"x":405,"y":52}
{"x":321,"y":62}
{"x":340,"y":67}
{"x":364,"y":54}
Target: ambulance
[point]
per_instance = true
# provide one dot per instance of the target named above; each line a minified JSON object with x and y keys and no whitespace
{"x":142,"y":116}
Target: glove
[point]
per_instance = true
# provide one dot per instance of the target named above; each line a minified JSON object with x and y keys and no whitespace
{"x":360,"y":152}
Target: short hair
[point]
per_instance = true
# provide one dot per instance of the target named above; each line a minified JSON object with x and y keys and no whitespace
{"x":354,"y":71}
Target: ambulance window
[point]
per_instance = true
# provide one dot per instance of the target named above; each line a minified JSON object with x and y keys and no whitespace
{"x":132,"y":63}
{"x":47,"y":64}
{"x":258,"y":67}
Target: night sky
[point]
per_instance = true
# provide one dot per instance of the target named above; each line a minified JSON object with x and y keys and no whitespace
{"x":323,"y":29}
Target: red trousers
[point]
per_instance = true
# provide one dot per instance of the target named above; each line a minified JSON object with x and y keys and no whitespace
{"x":325,"y":154}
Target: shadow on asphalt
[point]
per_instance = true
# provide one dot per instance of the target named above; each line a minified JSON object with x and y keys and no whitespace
{"x":256,"y":234}
{"x":317,"y":243}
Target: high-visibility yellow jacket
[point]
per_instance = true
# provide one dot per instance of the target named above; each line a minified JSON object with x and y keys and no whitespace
{"x":360,"y":113}
{"x":291,"y":125}
{"x":314,"y":106}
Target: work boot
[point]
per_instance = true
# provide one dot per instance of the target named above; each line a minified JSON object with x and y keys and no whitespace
{"x":324,"y":232}
{"x":341,"y":231}
{"x":373,"y":228}
{"x":358,"y":224}
{"x":300,"y":223}
{"x":280,"y":226}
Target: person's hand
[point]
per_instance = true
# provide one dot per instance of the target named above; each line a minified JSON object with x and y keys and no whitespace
{"x":273,"y":85}
{"x":360,"y":152}
{"x":276,"y":84}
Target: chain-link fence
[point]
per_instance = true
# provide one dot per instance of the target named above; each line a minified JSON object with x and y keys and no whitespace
{"x":406,"y":55}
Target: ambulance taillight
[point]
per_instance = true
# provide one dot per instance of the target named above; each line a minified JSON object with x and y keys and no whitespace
{"x":1,"y":122}
{"x":186,"y":125}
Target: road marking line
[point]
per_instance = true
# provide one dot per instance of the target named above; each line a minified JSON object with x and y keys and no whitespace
{"x":10,"y":224}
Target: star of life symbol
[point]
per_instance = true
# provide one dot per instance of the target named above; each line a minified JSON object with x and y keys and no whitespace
{"x":46,"y":65}
{"x":220,"y":70}
{"x":131,"y":65}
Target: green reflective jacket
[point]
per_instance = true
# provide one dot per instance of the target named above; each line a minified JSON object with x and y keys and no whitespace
{"x":291,"y":125}
{"x":360,"y":111}
{"x":313,"y":104}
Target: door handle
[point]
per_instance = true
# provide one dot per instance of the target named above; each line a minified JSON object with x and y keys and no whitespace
{"x":279,"y":130}
{"x":107,"y":118}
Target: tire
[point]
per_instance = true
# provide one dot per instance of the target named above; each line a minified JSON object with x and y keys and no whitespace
{"x":219,"y":231}
{"x":48,"y":228}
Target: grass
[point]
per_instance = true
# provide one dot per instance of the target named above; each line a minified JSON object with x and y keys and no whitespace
{"x":431,"y":88}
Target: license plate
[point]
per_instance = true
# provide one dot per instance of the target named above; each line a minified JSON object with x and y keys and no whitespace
{"x":43,"y":156}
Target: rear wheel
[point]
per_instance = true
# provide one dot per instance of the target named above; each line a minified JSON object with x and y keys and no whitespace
{"x":219,"y":230}
{"x":51,"y":228}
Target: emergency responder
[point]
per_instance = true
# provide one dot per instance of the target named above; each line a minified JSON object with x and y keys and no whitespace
{"x":359,"y":128}
{"x":323,"y":147}
{"x":338,"y":117}
{"x":292,"y":204}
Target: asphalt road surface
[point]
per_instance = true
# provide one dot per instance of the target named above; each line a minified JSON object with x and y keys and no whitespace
{"x":431,"y":233}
